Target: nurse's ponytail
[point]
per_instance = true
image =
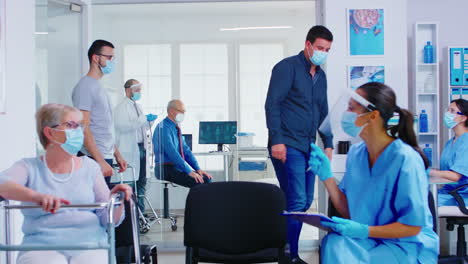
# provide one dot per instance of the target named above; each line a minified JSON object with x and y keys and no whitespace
{"x":384,"y":100}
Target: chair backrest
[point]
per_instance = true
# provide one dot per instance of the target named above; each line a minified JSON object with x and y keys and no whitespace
{"x":235,"y":217}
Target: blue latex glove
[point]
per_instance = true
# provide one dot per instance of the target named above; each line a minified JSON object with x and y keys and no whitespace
{"x":319,"y":163}
{"x":348,"y":227}
{"x":151,"y":117}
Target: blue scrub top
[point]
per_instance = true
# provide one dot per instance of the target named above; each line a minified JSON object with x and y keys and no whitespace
{"x":455,"y":158}
{"x":395,"y":189}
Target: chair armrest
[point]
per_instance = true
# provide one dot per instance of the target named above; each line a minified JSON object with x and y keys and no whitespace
{"x":459,"y":199}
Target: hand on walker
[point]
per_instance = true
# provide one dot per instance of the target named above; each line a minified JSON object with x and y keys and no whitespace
{"x":123,"y":188}
{"x":122,"y":164}
{"x":49,"y":202}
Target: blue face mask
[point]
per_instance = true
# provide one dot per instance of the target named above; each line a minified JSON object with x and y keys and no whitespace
{"x":449,"y":120}
{"x":109,"y":68}
{"x":74,"y":141}
{"x":136,"y":96}
{"x":319,"y":57}
{"x":348,"y":124}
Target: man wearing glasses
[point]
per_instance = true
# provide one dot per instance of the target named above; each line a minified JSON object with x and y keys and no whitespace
{"x":174,"y":160}
{"x":91,"y":98}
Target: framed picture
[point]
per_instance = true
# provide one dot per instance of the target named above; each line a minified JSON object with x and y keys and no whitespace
{"x":366,"y":30}
{"x":2,"y":57}
{"x":359,"y":75}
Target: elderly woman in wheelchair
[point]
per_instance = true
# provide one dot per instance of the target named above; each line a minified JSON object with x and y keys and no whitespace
{"x":59,"y":178}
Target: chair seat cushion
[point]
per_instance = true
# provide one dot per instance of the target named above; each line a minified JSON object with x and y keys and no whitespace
{"x":262,"y":256}
{"x":450,"y":211}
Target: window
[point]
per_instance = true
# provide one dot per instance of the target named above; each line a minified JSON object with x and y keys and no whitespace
{"x":151,"y":65}
{"x":255,"y":64}
{"x":204,"y":90}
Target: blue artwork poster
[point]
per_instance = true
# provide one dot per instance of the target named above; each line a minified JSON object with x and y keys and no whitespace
{"x":359,"y":75}
{"x":366,"y":32}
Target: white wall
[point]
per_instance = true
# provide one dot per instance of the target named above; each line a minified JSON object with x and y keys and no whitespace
{"x":449,"y":14}
{"x":395,"y":58}
{"x":17,"y":127}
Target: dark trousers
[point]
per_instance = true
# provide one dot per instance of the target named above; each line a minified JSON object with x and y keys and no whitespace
{"x":298,"y":187}
{"x":141,"y":183}
{"x":169,"y":172}
{"x":123,"y":233}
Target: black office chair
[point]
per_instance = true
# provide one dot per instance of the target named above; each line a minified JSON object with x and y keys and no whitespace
{"x":235,"y":222}
{"x":456,"y":215}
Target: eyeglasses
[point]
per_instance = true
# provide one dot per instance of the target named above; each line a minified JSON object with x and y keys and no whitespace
{"x":454,"y":111}
{"x":70,"y":125}
{"x":110,"y":57}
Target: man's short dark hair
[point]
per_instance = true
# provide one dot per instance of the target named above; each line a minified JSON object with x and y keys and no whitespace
{"x":96,"y":48}
{"x":319,"y":32}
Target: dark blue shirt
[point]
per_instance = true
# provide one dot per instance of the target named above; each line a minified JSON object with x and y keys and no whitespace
{"x":167,"y":148}
{"x":296,"y":104}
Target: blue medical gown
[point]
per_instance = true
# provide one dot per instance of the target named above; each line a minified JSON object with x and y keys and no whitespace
{"x":395,"y":189}
{"x":455,"y":158}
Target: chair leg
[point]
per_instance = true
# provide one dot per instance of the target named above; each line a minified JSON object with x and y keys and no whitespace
{"x":188,"y":255}
{"x":281,"y":256}
{"x":461,"y":243}
{"x":166,"y":201}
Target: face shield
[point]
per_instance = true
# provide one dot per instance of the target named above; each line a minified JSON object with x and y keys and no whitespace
{"x":345,"y":119}
{"x":136,"y":88}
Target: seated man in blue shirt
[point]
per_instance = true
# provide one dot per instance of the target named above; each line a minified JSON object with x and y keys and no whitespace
{"x":174,"y":159}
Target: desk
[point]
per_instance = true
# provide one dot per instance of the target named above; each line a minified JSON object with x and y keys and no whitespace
{"x":254,"y":154}
{"x":225,"y":154}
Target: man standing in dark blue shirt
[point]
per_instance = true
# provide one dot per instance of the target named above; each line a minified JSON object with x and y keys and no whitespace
{"x":295,"y":107}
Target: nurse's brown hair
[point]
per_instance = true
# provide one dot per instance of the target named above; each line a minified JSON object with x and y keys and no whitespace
{"x":384,"y":99}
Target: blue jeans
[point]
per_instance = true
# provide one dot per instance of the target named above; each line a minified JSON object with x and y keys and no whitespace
{"x":298,"y":187}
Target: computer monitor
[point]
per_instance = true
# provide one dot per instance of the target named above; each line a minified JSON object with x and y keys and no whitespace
{"x":188,"y":140}
{"x":218,"y":132}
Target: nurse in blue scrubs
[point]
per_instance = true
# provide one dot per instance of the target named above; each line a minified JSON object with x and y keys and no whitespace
{"x":383,"y":197}
{"x":454,"y":158}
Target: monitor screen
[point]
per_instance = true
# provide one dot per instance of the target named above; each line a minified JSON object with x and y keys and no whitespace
{"x":217,"y":132}
{"x":188,"y":140}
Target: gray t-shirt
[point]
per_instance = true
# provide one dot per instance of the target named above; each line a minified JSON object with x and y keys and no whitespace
{"x":89,"y":95}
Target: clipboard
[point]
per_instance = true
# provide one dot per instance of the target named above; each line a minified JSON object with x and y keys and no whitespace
{"x":310,"y":218}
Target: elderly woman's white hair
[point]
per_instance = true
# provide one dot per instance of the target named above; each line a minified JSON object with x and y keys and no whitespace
{"x":50,"y":115}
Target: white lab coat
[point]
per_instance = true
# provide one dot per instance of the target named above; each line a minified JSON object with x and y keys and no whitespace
{"x":127,"y":125}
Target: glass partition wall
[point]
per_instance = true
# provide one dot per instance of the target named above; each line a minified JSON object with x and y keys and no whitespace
{"x":58,"y":51}
{"x":217,"y":58}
